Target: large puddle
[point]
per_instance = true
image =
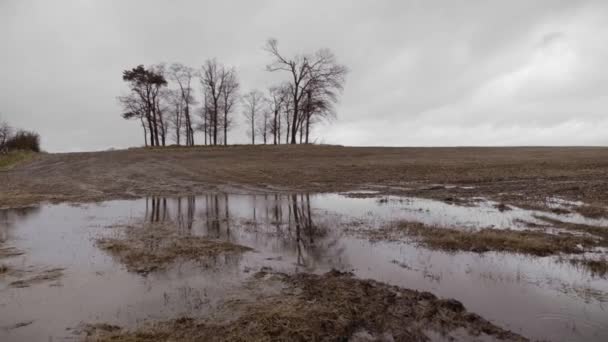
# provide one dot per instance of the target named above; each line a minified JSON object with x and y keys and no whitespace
{"x":540,"y":298}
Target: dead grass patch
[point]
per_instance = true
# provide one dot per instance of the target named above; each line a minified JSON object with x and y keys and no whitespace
{"x":600,"y":232}
{"x":330,"y":307}
{"x":597,"y":268}
{"x":484,"y":240}
{"x":41,"y":277}
{"x":7,"y":252}
{"x":592,"y":211}
{"x":13,"y":158}
{"x":149,"y":247}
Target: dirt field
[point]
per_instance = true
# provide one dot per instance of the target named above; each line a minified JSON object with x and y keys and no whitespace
{"x":283,"y":243}
{"x":523,"y":176}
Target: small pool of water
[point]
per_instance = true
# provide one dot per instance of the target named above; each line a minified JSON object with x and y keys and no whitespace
{"x":540,"y":298}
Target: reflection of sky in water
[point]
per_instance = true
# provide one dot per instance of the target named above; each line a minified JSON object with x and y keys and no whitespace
{"x":534,"y":296}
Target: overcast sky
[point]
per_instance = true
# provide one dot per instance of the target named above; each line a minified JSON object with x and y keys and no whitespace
{"x":422,"y":73}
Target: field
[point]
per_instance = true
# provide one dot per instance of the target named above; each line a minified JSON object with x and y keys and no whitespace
{"x":523,"y":175}
{"x":305,"y":243}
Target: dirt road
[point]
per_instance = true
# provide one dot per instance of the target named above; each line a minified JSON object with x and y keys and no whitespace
{"x":524,"y":176}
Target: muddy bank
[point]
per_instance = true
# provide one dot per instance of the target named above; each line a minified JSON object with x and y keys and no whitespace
{"x":332,"y":307}
{"x":146,"y":247}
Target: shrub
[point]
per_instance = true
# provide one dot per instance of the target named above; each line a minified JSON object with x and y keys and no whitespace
{"x":24,"y":140}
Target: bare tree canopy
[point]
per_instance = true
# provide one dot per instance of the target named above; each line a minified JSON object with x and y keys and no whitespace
{"x":291,"y":108}
{"x":182,"y":75}
{"x":254,"y":103}
{"x":306,"y":72}
{"x":229,"y":98}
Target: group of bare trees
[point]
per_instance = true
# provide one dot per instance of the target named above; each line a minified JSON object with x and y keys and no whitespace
{"x":163,"y":99}
{"x":220,"y":94}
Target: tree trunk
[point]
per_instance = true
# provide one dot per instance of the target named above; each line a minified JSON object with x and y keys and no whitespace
{"x":205,"y":126}
{"x":294,"y":120}
{"x":143,"y":125}
{"x":307,"y":127}
{"x":278,"y":129}
{"x":287,"y":135}
{"x":225,"y":128}
{"x":274,"y":133}
{"x":301,"y":130}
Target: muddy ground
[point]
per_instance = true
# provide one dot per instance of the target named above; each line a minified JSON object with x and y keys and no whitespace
{"x":483,"y":187}
{"x":522,"y":176}
{"x":331,"y":307}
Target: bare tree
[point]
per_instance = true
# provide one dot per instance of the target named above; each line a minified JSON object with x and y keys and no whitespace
{"x":304,"y":70}
{"x":135,"y":109}
{"x":145,"y":87}
{"x":254,"y":102}
{"x":176,"y":114}
{"x":212,"y":83}
{"x":203,"y":125}
{"x":229,"y":98}
{"x":183,"y":75}
{"x":265,"y":122}
{"x":6,"y":131}
{"x":278,"y":100}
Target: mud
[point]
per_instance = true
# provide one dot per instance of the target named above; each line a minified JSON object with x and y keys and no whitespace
{"x":331,"y":307}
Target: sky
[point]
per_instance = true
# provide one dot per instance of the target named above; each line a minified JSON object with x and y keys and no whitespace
{"x":422,"y":73}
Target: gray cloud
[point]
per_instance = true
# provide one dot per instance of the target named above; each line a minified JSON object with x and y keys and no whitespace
{"x":422,"y":72}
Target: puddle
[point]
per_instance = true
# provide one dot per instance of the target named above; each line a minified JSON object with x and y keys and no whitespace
{"x":537,"y":297}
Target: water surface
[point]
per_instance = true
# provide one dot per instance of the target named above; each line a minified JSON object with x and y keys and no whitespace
{"x":540,"y":298}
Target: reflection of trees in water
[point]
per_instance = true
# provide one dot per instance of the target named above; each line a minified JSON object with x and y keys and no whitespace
{"x":269,"y":218}
{"x":9,"y":217}
{"x":291,"y":220}
{"x":182,"y":212}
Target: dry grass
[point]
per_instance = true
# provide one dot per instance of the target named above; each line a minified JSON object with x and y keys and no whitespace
{"x":331,"y":307}
{"x":153,"y":246}
{"x":7,"y":252}
{"x":600,"y":232}
{"x":592,"y":211}
{"x":42,"y":277}
{"x":484,"y":240}
{"x":597,"y":268}
{"x":13,"y":158}
{"x":508,"y":175}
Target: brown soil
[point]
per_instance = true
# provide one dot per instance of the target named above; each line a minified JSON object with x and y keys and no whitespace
{"x":331,"y":307}
{"x":506,"y":240}
{"x":153,"y":246}
{"x":523,"y":176}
